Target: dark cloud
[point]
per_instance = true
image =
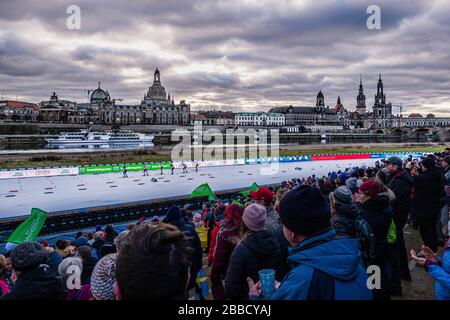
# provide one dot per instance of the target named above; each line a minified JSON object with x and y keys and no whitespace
{"x":229,"y":54}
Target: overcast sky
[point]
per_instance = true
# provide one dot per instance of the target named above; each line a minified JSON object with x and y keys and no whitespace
{"x":232,"y":55}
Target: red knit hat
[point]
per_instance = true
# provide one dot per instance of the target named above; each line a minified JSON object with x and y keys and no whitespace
{"x":370,"y":188}
{"x":263,"y":193}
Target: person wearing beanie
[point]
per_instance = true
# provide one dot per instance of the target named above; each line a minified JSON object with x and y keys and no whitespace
{"x":174,"y":217}
{"x":258,"y":249}
{"x":376,"y":209}
{"x":89,"y":261}
{"x":429,"y":193}
{"x":264,"y":196}
{"x":344,"y":212}
{"x":36,"y":276}
{"x":103,"y":278}
{"x":352,"y":184}
{"x":81,"y":241}
{"x":324,"y":267}
{"x":107,"y":248}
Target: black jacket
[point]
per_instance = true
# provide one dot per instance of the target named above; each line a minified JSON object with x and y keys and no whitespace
{"x":428,"y":193}
{"x":257,"y":251}
{"x":378,"y":214}
{"x":41,"y":282}
{"x":401,"y":184}
{"x":88,"y":268}
{"x":344,"y":220}
{"x":197,"y":253}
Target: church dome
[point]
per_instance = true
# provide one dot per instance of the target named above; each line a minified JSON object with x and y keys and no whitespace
{"x":99,"y":95}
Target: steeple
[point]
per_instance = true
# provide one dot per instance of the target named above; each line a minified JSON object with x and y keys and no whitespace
{"x":339,"y":100}
{"x":361,"y":98}
{"x":156,"y":77}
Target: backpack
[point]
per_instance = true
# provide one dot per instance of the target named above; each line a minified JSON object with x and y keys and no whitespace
{"x":366,"y":241}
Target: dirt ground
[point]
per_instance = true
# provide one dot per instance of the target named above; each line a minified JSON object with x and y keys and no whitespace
{"x":421,"y":286}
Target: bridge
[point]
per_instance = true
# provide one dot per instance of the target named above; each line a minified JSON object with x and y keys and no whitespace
{"x":416,"y":132}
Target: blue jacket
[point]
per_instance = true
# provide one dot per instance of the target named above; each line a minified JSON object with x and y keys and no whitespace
{"x":441,"y":274}
{"x":325,"y":269}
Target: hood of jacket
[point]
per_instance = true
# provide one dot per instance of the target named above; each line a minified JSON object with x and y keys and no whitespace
{"x":380,"y":203}
{"x":41,"y":282}
{"x":338,"y":258}
{"x":347,"y":209}
{"x":263,"y":244}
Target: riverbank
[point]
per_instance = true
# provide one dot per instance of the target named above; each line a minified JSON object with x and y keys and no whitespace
{"x":158,"y":154}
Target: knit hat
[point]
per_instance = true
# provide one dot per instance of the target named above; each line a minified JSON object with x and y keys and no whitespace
{"x":27,"y":255}
{"x":305,"y":210}
{"x":351,"y":184}
{"x":254,"y":217}
{"x":370,"y":188}
{"x":343,"y":194}
{"x":107,"y":248}
{"x":81,"y":241}
{"x":103,"y":278}
{"x":263,"y":193}
{"x":343,"y":176}
{"x":173,"y":214}
{"x":428,"y":163}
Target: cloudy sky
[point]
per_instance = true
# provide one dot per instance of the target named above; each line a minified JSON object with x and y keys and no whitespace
{"x":231,"y":55}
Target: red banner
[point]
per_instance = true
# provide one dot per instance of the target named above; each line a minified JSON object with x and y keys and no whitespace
{"x":341,"y":157}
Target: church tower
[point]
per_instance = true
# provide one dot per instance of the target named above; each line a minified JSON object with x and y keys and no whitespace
{"x":320,"y":102}
{"x":382,"y":111}
{"x":361,"y":99}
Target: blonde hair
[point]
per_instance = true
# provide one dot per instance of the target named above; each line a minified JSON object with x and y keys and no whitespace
{"x":332,"y":200}
{"x":2,"y":262}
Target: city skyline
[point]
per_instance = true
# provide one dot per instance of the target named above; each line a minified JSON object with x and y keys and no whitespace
{"x":238,"y":57}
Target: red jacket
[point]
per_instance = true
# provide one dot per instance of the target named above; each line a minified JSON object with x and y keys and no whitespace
{"x":212,"y":247}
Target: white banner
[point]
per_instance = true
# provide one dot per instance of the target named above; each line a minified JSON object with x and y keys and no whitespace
{"x":31,"y":173}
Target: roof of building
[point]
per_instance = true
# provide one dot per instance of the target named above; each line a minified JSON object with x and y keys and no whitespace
{"x":17,"y":104}
{"x":415,"y":115}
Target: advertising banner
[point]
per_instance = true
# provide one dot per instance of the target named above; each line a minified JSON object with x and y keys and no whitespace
{"x":31,"y":173}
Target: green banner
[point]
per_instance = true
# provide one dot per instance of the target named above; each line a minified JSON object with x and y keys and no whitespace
{"x":30,"y":228}
{"x":246,"y":192}
{"x":119,"y":167}
{"x":203,"y":190}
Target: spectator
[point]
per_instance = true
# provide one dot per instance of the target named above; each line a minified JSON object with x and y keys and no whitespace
{"x":85,"y":253}
{"x":428,"y":192}
{"x":63,"y":248}
{"x":258,"y":249}
{"x":197,"y":220}
{"x":4,"y":288}
{"x":438,"y":269}
{"x":344,"y":212}
{"x":70,"y":270}
{"x":323,"y":267}
{"x":99,"y":240}
{"x":103,"y":278}
{"x":401,"y":183}
{"x":7,"y":271}
{"x":107,"y":248}
{"x":153,"y":264}
{"x":227,"y":239}
{"x":173,"y":217}
{"x":264,"y":197}
{"x":34,"y":275}
{"x":110,"y":233}
{"x":352,"y":184}
{"x":120,"y":239}
{"x":376,"y":210}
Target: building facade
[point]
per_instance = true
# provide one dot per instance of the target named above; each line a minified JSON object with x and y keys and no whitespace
{"x":270,"y":119}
